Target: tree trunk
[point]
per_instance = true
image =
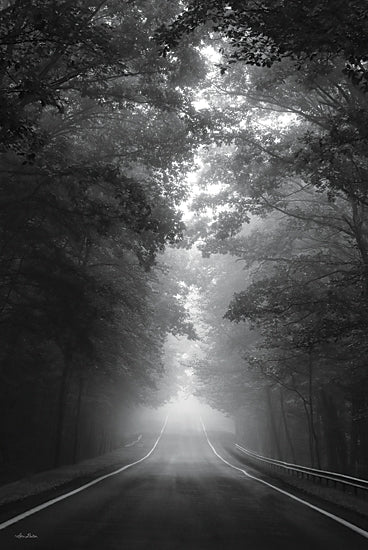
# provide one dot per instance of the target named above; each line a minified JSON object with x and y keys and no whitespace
{"x":360,"y":232}
{"x":311,"y":409}
{"x":77,"y":418}
{"x":334,"y":436}
{"x":62,"y":403}
{"x":286,"y":427}
{"x":271,"y":416}
{"x":360,"y":420}
{"x":310,"y":437}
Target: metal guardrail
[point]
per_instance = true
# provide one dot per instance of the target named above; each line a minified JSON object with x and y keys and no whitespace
{"x":334,"y":479}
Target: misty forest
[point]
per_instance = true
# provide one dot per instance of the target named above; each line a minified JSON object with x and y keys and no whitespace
{"x":183,"y":211}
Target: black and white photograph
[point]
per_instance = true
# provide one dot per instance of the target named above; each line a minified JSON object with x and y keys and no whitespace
{"x":184,"y":274}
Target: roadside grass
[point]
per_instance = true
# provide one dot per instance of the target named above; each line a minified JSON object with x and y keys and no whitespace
{"x":48,"y":480}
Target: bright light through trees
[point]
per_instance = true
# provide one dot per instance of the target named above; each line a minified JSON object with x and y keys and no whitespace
{"x":184,"y":221}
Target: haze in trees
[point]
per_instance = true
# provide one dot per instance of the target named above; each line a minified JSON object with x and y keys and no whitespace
{"x":183,"y":215}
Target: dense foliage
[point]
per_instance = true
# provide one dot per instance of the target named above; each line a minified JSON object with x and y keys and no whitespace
{"x":264,"y":32}
{"x":291,"y":162}
{"x":95,"y":132}
{"x":104,"y":108}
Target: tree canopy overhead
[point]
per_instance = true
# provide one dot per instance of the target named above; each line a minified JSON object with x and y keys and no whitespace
{"x":96,"y":132}
{"x":284,"y":192}
{"x":261,"y":33}
{"x":106,"y":108}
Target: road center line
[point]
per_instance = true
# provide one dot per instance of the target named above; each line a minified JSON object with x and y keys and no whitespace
{"x":36,"y":509}
{"x":342,"y":521}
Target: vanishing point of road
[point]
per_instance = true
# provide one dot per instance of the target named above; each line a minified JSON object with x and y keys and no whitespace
{"x":181,"y":497}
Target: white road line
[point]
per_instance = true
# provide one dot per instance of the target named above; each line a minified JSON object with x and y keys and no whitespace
{"x":134,"y":442}
{"x":342,"y":521}
{"x":36,"y":509}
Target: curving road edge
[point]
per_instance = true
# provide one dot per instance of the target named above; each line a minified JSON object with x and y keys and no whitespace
{"x":36,"y":509}
{"x":342,"y":521}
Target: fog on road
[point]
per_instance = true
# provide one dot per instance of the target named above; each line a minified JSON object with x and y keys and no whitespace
{"x":181,"y":497}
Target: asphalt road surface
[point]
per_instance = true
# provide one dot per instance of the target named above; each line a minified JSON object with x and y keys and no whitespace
{"x":181,"y":497}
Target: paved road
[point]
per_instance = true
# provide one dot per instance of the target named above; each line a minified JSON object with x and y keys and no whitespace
{"x":181,"y":497}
